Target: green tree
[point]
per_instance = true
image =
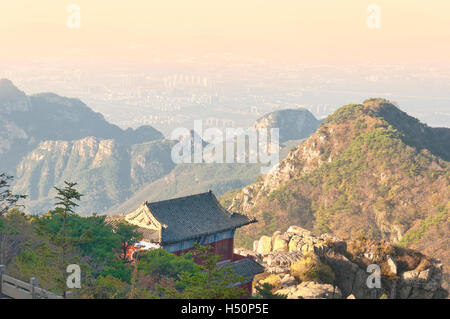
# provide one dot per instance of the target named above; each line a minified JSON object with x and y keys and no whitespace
{"x":264,"y":291}
{"x":89,"y":240}
{"x":128,"y":236}
{"x":108,"y":287}
{"x":40,"y":260}
{"x":9,"y":234}
{"x":7,"y":199}
{"x":211,"y":282}
{"x":15,"y":231}
{"x":67,"y":196}
{"x":162,"y":263}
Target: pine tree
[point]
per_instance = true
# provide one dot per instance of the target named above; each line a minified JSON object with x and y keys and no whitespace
{"x":66,"y":206}
{"x":8,"y":200}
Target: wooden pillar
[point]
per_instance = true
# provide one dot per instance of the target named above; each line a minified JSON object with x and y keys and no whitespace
{"x":33,"y":284}
{"x":231,"y":249}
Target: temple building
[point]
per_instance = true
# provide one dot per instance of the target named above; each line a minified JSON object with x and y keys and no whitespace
{"x":176,"y":225}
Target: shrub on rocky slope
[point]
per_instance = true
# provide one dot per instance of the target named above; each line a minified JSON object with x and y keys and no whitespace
{"x":310,"y":266}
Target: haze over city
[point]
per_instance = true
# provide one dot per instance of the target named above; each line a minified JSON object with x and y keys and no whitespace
{"x":166,"y":63}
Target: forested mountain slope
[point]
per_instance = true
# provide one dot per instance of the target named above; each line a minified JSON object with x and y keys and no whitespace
{"x":370,"y":171}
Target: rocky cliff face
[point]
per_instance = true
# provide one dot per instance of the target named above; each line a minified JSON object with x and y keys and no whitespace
{"x":294,"y":124}
{"x":301,"y":265}
{"x":107,"y":172}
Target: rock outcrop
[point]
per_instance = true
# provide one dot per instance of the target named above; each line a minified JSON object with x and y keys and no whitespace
{"x":293,"y":124}
{"x":311,"y":290}
{"x":404,"y":274}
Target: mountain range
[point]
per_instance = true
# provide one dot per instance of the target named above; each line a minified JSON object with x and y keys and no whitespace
{"x":28,"y":120}
{"x":368,"y":171}
{"x":47,"y":139}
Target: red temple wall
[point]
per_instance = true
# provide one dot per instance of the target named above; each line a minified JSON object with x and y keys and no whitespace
{"x":248,"y":287}
{"x":224,"y":248}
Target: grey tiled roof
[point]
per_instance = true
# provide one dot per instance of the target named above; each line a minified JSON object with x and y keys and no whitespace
{"x":193,"y":216}
{"x":247,"y":267}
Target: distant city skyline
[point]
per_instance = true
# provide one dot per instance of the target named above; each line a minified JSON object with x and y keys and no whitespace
{"x":162,"y":96}
{"x":167,"y":63}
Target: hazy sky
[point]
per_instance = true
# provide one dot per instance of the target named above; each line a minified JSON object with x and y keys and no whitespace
{"x":319,"y":31}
